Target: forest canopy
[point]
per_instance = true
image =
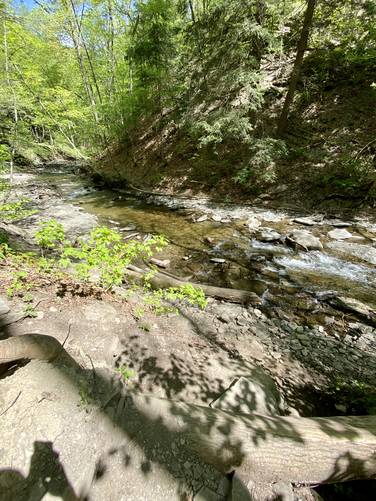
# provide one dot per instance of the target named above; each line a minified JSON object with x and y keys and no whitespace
{"x":78,"y":77}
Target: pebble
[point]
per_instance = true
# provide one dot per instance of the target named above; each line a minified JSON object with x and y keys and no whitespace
{"x":241,"y":321}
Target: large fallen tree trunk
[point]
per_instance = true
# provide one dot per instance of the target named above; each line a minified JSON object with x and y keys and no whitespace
{"x":262,"y":449}
{"x":160,"y":280}
{"x":271,"y":449}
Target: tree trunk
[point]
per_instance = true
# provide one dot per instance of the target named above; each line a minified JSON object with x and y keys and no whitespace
{"x":302,"y":45}
{"x":14,"y":101}
{"x":268,"y":449}
{"x":264,"y":450}
{"x":163,"y":281}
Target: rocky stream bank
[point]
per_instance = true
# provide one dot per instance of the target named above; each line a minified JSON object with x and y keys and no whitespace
{"x":315,"y":324}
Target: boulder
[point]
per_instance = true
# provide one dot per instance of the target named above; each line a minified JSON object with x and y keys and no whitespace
{"x":305,"y":239}
{"x":4,"y":308}
{"x":253,"y":223}
{"x":268,"y":235}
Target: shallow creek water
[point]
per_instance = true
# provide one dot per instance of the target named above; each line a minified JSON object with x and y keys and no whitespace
{"x":271,"y":269}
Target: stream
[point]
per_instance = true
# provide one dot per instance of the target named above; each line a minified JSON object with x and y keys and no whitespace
{"x":242,"y":247}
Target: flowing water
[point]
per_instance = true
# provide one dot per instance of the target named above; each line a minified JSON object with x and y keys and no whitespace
{"x":243,"y":261}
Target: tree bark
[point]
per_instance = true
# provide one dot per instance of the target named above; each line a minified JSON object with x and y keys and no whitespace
{"x":271,"y":449}
{"x":302,"y":46}
{"x":163,"y":281}
{"x":262,"y":449}
{"x":29,"y":346}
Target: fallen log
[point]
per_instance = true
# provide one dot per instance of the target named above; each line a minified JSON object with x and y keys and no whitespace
{"x":29,"y":346}
{"x":163,"y":281}
{"x":262,"y":449}
{"x":268,"y":449}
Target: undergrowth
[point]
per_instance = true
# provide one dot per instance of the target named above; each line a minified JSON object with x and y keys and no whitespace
{"x":100,"y":258}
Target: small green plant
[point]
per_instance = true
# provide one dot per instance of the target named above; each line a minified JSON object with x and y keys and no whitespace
{"x":5,"y":250}
{"x":45,"y":265}
{"x":28,"y":297}
{"x":138,"y":312}
{"x":51,"y":235}
{"x":15,"y":211}
{"x":85,"y":397}
{"x":19,"y":284}
{"x":186,"y":293}
{"x":125,"y":372}
{"x":30,"y":311}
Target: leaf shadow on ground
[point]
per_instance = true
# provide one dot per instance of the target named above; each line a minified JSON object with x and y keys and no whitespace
{"x":153,"y":425}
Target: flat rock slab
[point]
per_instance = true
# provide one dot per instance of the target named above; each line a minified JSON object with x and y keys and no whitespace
{"x":339,"y":234}
{"x":355,"y":306}
{"x":363,"y":252}
{"x":201,"y":219}
{"x":306,"y":221}
{"x":69,"y":444}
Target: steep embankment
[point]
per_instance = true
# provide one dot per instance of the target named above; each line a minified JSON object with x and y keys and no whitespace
{"x":329,"y":158}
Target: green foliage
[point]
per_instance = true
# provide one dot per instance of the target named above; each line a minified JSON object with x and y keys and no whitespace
{"x":126,"y":373}
{"x":350,"y":175}
{"x":261,"y":168}
{"x":15,"y":211}
{"x":51,"y":235}
{"x":102,"y":252}
{"x":138,"y":312}
{"x":30,"y":311}
{"x":358,"y":398}
{"x":115,"y":72}
{"x":20,"y":284}
{"x":160,"y":300}
{"x":86,"y":397}
{"x":231,"y":126}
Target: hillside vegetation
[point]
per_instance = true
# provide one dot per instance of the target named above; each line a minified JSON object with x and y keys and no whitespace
{"x":176,"y":94}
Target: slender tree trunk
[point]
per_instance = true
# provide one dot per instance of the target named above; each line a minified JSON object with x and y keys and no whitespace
{"x":14,"y":101}
{"x":302,"y":45}
{"x":111,"y":53}
{"x":87,"y":76}
{"x":46,"y":111}
{"x":192,"y":11}
{"x":259,"y":44}
{"x":83,"y":44}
